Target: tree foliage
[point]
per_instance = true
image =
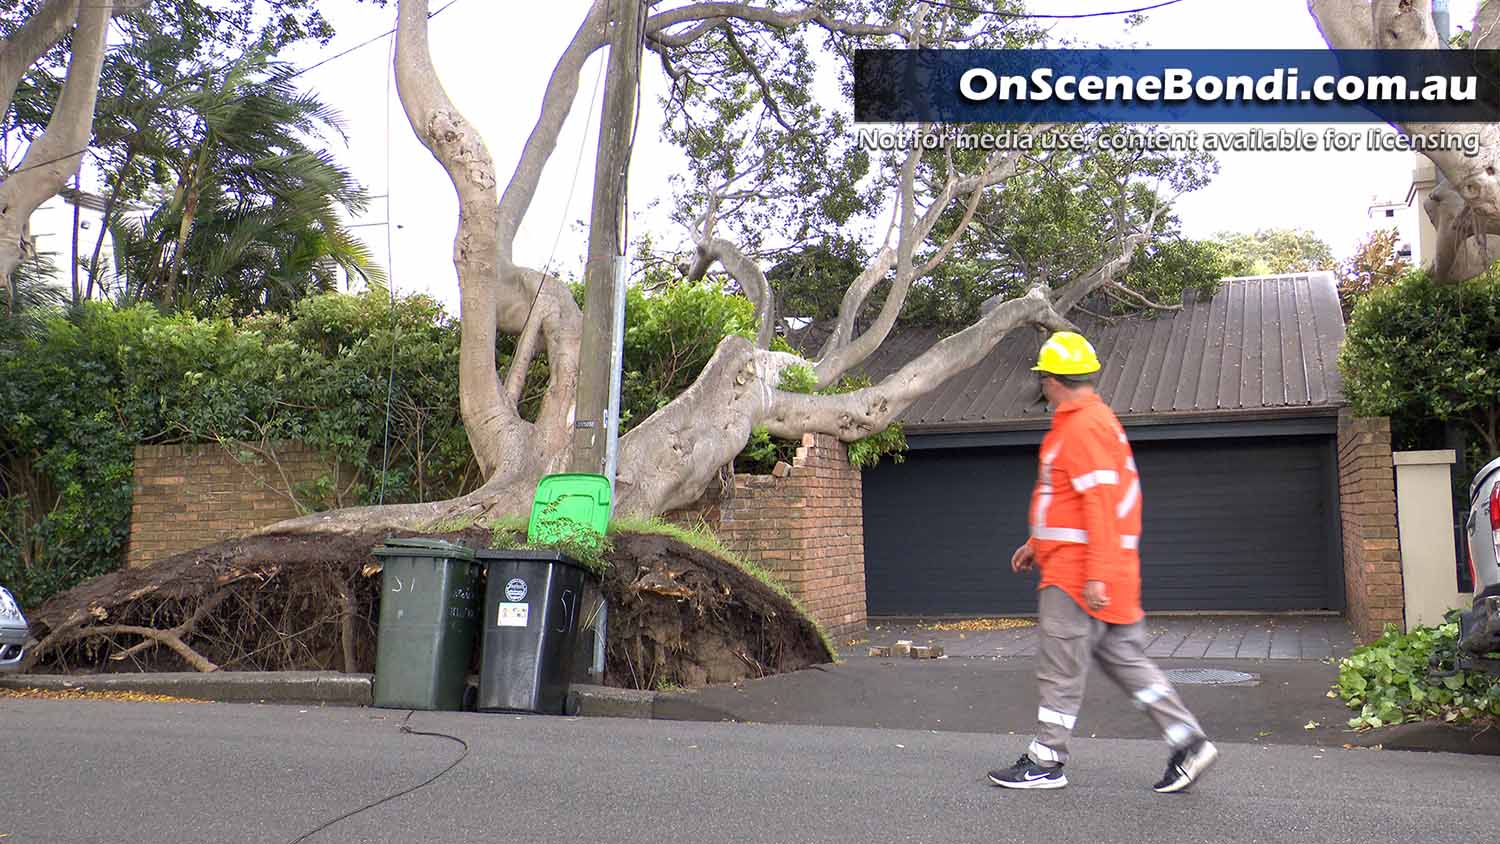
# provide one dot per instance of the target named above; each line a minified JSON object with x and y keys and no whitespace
{"x":1374,"y":264}
{"x":77,"y":399}
{"x":1164,"y":270}
{"x":1417,"y":351}
{"x":1277,"y":251}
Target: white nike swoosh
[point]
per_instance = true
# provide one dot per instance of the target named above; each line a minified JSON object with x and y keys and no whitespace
{"x":1033,"y":778}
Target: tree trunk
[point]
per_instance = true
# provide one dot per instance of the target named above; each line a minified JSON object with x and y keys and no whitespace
{"x":56,"y":154}
{"x":1467,"y":200}
{"x":189,"y":190}
{"x":108,"y":217}
{"x":73,"y":249}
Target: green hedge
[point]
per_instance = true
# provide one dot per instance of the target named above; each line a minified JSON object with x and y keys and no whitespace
{"x":76,"y":399}
{"x":1425,"y":354}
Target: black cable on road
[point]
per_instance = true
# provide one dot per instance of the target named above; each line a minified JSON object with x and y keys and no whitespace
{"x":402,"y":793}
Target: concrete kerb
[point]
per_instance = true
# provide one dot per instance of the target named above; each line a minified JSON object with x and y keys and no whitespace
{"x":332,"y":688}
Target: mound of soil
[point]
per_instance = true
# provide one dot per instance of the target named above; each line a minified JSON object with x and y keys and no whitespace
{"x":677,"y":615}
{"x":681,"y":616}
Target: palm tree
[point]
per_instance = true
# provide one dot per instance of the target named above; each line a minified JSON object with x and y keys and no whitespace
{"x":247,"y":215}
{"x":31,"y":296}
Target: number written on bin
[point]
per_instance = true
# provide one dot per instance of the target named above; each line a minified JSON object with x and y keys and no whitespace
{"x":513,"y":615}
{"x":398,"y":586}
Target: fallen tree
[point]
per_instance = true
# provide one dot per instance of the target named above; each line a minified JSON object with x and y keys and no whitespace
{"x":733,"y":50}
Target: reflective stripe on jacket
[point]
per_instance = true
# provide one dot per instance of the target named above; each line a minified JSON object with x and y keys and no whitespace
{"x":1086,"y":509}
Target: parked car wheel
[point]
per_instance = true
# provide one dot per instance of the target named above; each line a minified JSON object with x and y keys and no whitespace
{"x":1479,"y":628}
{"x":14,"y":633}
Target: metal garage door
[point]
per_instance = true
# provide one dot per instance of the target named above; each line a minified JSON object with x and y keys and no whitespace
{"x":1229,"y":524}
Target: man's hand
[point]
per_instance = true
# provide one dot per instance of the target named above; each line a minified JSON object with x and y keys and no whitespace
{"x":1095,"y":595}
{"x":1023,"y":560}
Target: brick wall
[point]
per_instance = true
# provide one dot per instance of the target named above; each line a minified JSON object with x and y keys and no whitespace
{"x":1372,"y":550}
{"x":188,"y":496}
{"x":804,"y":523}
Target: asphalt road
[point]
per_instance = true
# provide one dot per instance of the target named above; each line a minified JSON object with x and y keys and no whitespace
{"x":82,"y":772}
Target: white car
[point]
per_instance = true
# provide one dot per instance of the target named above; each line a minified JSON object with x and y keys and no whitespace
{"x":1479,"y":629}
{"x":14,"y":632}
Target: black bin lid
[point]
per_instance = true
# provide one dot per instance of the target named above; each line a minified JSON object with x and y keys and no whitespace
{"x":414,"y":546}
{"x":532,"y":555}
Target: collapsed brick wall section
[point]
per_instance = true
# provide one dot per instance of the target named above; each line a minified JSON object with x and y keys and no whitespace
{"x":1367,"y":501}
{"x":188,"y":496}
{"x":804,"y":523}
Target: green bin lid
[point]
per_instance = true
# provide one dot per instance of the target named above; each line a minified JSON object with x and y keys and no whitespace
{"x":580,"y":498}
{"x":414,"y":546}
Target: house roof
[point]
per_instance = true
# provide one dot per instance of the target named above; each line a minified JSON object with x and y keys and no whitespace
{"x":1262,"y":346}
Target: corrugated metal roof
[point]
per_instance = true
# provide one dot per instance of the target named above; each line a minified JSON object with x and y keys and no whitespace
{"x":1260,"y":345}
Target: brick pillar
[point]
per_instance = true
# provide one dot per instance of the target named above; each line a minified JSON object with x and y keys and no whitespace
{"x":1372,"y":551}
{"x":805,"y":524}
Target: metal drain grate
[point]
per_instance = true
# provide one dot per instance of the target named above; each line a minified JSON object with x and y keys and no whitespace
{"x":1210,"y":677}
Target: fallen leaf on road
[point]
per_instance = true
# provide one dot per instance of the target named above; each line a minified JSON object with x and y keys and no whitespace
{"x":1311,"y":725}
{"x":901,"y":746}
{"x":983,"y":624}
{"x":84,"y":694}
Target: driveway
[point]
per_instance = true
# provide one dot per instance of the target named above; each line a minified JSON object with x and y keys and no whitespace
{"x":985,"y":683}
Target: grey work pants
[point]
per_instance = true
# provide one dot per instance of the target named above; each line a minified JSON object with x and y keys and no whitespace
{"x":1070,"y":639}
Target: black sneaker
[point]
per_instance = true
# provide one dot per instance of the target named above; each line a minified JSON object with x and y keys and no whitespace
{"x":1187,"y":766}
{"x":1026,"y":773}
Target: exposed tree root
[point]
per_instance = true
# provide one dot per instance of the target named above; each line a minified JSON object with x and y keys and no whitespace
{"x":677,"y":615}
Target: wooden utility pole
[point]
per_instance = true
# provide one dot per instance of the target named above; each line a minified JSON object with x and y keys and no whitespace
{"x":605,"y":248}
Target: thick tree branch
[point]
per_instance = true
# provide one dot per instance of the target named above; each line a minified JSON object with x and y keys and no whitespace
{"x":850,"y":416}
{"x":1079,"y":289}
{"x":840,"y":359}
{"x":55,"y":156}
{"x":771,"y":17}
{"x":35,"y":37}
{"x":1407,"y":25}
{"x":687,"y":36}
{"x":560,"y":322}
{"x":495,"y":429}
{"x":747,"y":273}
{"x":557,"y":102}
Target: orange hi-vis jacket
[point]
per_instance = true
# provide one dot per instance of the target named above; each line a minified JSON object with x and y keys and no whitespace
{"x":1086,"y":509}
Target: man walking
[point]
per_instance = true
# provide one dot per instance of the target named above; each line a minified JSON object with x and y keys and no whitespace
{"x":1085,"y":535}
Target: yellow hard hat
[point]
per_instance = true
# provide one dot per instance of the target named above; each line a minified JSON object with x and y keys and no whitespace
{"x":1067,"y":353}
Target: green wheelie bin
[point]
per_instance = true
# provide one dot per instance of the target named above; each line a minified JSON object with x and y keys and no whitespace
{"x":429,"y":621}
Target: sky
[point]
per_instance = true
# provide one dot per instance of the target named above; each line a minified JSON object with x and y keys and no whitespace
{"x":495,"y":56}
